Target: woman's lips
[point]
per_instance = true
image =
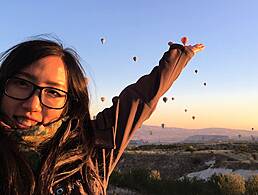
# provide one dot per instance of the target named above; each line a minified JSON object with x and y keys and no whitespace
{"x":24,"y":122}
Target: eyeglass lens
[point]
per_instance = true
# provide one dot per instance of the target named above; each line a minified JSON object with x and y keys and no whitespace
{"x":22,"y":89}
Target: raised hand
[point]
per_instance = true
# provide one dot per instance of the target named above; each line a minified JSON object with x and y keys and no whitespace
{"x":195,"y":48}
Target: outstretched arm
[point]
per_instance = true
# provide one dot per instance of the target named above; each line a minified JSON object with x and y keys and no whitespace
{"x":146,"y":91}
{"x":114,"y":127}
{"x":139,"y":100}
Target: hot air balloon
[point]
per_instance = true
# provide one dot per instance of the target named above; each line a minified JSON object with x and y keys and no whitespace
{"x":196,"y":71}
{"x":184,"y":40}
{"x":102,"y":99}
{"x":204,"y":84}
{"x":172,"y":98}
{"x":252,"y":128}
{"x":165,"y":99}
{"x":193,"y":117}
{"x":163,"y":125}
{"x":103,"y":40}
{"x":135,"y":58}
{"x":185,"y":110}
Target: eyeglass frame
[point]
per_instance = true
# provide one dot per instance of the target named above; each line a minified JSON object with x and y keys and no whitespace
{"x":37,"y":87}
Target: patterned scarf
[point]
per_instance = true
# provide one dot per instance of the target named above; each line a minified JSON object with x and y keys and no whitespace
{"x":29,"y":141}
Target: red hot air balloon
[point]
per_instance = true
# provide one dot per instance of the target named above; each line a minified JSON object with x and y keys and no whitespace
{"x":184,"y":40}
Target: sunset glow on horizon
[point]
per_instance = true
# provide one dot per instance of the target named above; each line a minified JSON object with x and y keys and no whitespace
{"x":227,"y":66}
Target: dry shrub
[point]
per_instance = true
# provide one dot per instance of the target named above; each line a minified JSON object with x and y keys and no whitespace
{"x":190,"y":149}
{"x":155,"y":175}
{"x":252,"y":185}
{"x":229,"y":184}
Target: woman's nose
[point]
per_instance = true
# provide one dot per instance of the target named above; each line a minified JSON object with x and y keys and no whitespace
{"x":33,"y":104}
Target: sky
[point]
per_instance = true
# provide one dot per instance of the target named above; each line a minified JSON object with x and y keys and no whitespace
{"x":142,"y":28}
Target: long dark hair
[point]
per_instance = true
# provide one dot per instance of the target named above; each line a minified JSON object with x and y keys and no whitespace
{"x":12,"y":61}
{"x":22,"y":55}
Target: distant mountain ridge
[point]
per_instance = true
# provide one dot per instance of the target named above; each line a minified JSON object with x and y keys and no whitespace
{"x":206,"y":138}
{"x":157,"y":134}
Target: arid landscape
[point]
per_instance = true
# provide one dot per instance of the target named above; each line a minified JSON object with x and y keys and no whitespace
{"x":177,"y":160}
{"x":199,"y":160}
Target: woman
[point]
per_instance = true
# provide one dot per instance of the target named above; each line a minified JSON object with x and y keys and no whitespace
{"x":48,"y":143}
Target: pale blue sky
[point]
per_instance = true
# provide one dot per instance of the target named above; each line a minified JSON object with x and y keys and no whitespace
{"x":142,"y":28}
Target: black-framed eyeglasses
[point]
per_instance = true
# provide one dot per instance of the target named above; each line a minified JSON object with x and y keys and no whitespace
{"x":21,"y":89}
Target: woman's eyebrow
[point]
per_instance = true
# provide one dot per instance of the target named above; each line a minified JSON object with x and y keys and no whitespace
{"x":34,"y":79}
{"x":27,"y":75}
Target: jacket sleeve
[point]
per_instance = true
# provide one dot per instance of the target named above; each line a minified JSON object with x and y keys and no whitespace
{"x":115,"y":126}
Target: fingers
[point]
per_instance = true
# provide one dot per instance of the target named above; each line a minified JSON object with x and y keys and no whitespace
{"x":196,"y":48}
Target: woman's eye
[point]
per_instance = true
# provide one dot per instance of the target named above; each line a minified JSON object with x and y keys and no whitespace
{"x":52,"y":93}
{"x":22,"y":84}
